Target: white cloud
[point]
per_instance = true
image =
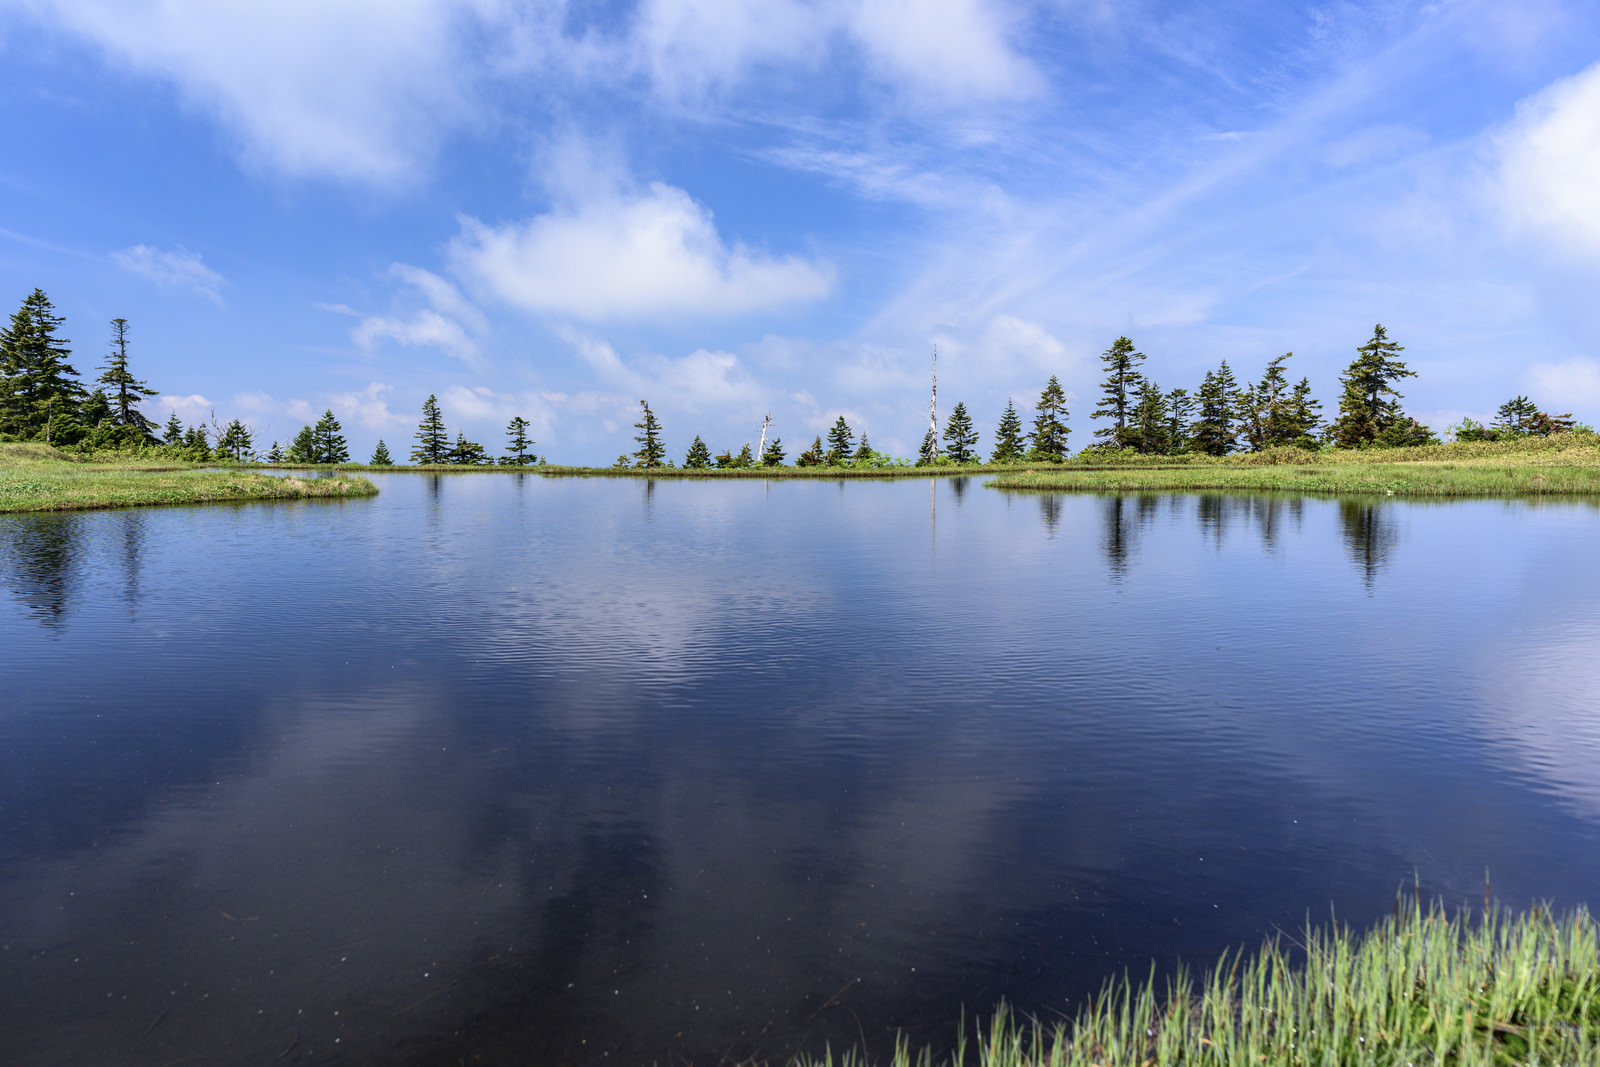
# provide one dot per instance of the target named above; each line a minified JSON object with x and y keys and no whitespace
{"x":177,"y":269}
{"x":652,"y":254}
{"x":1550,"y":164}
{"x":703,"y":380}
{"x":368,"y":407}
{"x":191,"y":408}
{"x":449,"y":323}
{"x":1571,"y":385}
{"x":945,"y":50}
{"x":357,"y":89}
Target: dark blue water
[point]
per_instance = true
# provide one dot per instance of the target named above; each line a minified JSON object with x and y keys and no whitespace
{"x":496,"y":768}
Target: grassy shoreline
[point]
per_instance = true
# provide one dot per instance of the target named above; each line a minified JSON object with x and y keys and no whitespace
{"x":36,"y":477}
{"x":1422,"y":987}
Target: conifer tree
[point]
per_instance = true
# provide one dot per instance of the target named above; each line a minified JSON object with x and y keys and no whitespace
{"x":1305,"y":414}
{"x":1049,"y":437}
{"x":433,"y":444}
{"x":651,"y":452}
{"x":1007,"y":436}
{"x":773,"y":455}
{"x":517,"y":443}
{"x":38,"y":386}
{"x":929,"y":452}
{"x":236,"y":441}
{"x":863,"y":450}
{"x":173,"y":433}
{"x":1515,"y":417}
{"x":959,"y":436}
{"x":699,"y":456}
{"x":813,"y":456}
{"x":275,"y":454}
{"x":1279,"y":422}
{"x":1119,"y":392}
{"x":1180,"y":409}
{"x":746,"y":457}
{"x":1249,"y":415}
{"x":840,"y":442}
{"x":330,"y":443}
{"x":1370,"y":404}
{"x":1148,"y":430}
{"x":1213,"y":432}
{"x":127,"y":391}
{"x":380,"y":455}
{"x":465,"y":453}
{"x":303,"y":449}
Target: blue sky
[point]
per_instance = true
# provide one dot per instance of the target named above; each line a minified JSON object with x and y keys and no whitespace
{"x":557,"y":209}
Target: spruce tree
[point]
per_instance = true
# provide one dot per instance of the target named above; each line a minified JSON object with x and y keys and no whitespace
{"x":1213,"y":432}
{"x":465,"y":453}
{"x":1249,"y":414}
{"x":651,"y":452}
{"x":929,"y":452}
{"x":813,"y":456}
{"x":773,"y":455}
{"x":1515,"y":417}
{"x":517,"y":444}
{"x":1305,"y":415}
{"x":173,"y":433}
{"x":1119,"y":392}
{"x":1148,"y":430}
{"x":1370,"y":404}
{"x":840,"y":442}
{"x":1279,"y":422}
{"x":127,"y":391}
{"x":1049,"y":437}
{"x":433,"y":444}
{"x":745,"y":459}
{"x":330,"y":443}
{"x":236,"y":441}
{"x":699,"y":456}
{"x":959,"y":436}
{"x":38,"y":387}
{"x":1180,"y":409}
{"x":863,"y":452}
{"x":303,"y":449}
{"x":1007,"y":436}
{"x":380,"y":455}
{"x":275,"y":454}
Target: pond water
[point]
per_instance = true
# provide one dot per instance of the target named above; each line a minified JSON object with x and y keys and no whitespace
{"x":499,"y":768}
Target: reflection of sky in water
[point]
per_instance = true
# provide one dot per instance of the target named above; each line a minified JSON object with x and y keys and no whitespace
{"x":563,"y":767}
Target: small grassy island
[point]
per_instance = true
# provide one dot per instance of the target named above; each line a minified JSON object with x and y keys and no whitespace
{"x":1420,"y":988}
{"x":36,"y":477}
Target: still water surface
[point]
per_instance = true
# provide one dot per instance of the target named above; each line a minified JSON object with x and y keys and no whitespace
{"x":502,"y":768}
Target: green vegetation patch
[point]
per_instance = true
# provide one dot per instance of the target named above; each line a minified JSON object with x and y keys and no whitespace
{"x":1420,"y":988}
{"x":31,"y":481}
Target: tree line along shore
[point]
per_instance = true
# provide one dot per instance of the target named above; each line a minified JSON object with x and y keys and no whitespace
{"x":1265,"y":434}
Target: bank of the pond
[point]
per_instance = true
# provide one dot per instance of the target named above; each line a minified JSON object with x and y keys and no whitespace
{"x":1566,"y":464}
{"x":1421,"y":988}
{"x":35,"y":477}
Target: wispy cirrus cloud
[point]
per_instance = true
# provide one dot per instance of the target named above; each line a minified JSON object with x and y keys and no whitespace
{"x":176,"y":268}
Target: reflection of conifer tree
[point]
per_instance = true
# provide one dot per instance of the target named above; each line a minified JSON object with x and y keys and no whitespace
{"x":1210,"y":513}
{"x":1050,"y":512}
{"x":1117,"y":536}
{"x":38,"y":556}
{"x":958,"y":488}
{"x":1369,"y":535}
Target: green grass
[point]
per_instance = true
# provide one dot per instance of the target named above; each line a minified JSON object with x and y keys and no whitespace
{"x":1565,"y":464}
{"x":36,"y":477}
{"x":1422,"y":987}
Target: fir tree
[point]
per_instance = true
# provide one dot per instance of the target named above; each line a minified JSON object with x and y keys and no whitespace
{"x":1249,"y":415}
{"x":303,"y":449}
{"x":745,"y":459}
{"x":1049,"y":437}
{"x":127,"y":391}
{"x":173,"y":433}
{"x":1213,"y":432}
{"x":723,"y":460}
{"x":811,"y":457}
{"x":1305,"y":415}
{"x":433,"y":444}
{"x":196,"y":443}
{"x":699,"y":456}
{"x":1007,"y":436}
{"x":275,"y":454}
{"x":651,"y":452}
{"x":929,"y":452}
{"x":959,"y":436}
{"x":236,"y":441}
{"x":1515,"y":417}
{"x":1180,"y":409}
{"x":1119,"y":392}
{"x":518,"y":444}
{"x":773,"y":455}
{"x":1279,"y":422}
{"x":840,"y":442}
{"x":465,"y":453}
{"x":38,"y":386}
{"x":863,"y":452}
{"x":1148,"y":431}
{"x":330,"y":443}
{"x":380,"y":455}
{"x":1370,"y":404}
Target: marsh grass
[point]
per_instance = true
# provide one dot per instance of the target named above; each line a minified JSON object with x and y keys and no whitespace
{"x":35,"y":477}
{"x":1423,"y":987}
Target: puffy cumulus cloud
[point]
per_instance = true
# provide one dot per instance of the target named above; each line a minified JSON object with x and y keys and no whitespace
{"x":1570,"y":385}
{"x":651,"y":254}
{"x":1549,"y":161}
{"x":356,"y":89}
{"x":175,"y":269}
{"x":369,"y":407}
{"x":449,"y":323}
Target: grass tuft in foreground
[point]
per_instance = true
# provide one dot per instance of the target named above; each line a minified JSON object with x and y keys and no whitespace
{"x":35,"y":477}
{"x":1421,"y":988}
